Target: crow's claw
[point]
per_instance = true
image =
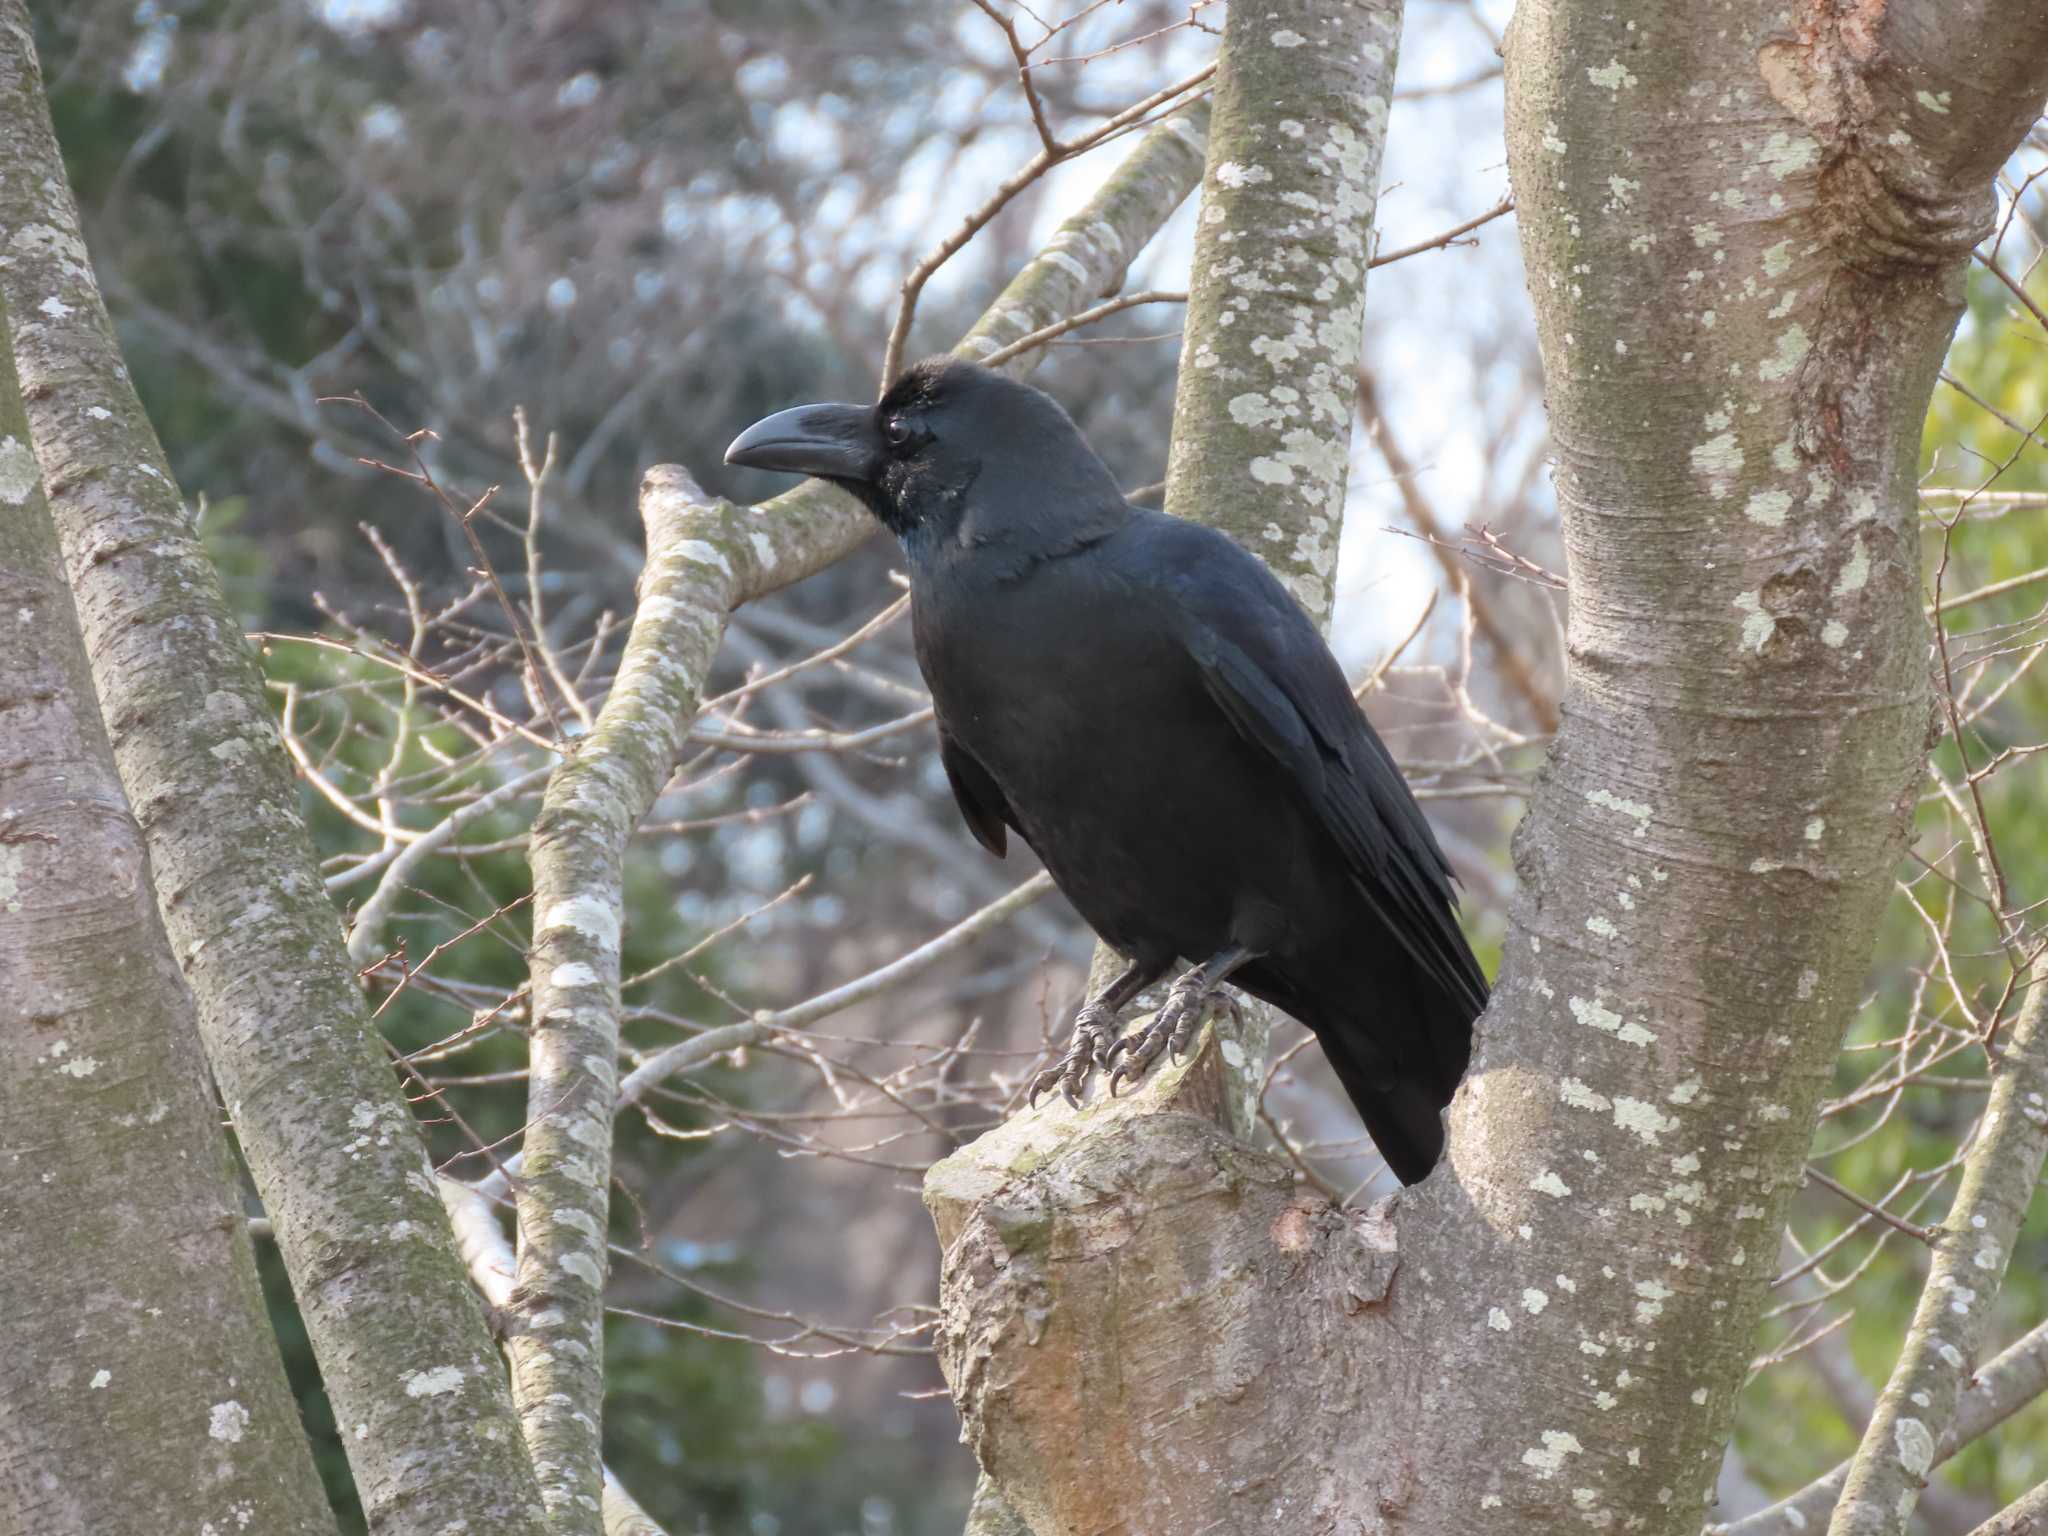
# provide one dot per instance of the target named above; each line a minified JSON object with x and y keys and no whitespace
{"x":1085,"y":1052}
{"x":1172,"y":1030}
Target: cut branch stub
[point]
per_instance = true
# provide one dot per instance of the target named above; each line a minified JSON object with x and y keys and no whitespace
{"x":1135,"y":1305}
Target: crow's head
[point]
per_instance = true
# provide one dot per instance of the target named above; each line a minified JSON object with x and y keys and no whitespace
{"x":952,"y":451}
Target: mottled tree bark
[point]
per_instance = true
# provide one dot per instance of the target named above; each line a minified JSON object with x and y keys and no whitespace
{"x":593,"y":803}
{"x":1745,"y":234}
{"x":416,"y":1382}
{"x":1972,"y":1247}
{"x":1276,"y":303}
{"x":142,"y":1387}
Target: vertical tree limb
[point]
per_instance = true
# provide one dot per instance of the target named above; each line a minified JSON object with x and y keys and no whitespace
{"x":142,"y":1387}
{"x":593,"y":802}
{"x":1263,"y":407}
{"x":415,"y":1380}
{"x":1135,"y":1302}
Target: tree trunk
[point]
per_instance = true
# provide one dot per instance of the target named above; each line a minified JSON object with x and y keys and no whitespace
{"x":331,"y":1143}
{"x":1744,"y":239}
{"x":143,"y":1389}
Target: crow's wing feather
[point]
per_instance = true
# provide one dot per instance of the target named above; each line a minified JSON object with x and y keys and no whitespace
{"x":1267,"y":668}
{"x":982,"y":805}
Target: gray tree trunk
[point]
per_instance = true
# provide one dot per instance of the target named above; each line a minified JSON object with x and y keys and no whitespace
{"x":142,"y":1388}
{"x":1744,"y":241}
{"x":415,"y":1377}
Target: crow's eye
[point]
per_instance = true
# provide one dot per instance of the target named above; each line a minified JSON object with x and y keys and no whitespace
{"x":896,"y":431}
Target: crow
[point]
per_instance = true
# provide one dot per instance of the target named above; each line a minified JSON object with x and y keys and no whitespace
{"x":1146,"y":705}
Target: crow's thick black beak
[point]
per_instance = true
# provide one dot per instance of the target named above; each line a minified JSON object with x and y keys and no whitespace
{"x":837,"y":442}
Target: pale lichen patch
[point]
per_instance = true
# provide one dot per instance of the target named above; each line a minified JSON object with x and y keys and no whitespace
{"x":1792,"y":346}
{"x":1579,"y":1096}
{"x":1915,"y":1443}
{"x":1855,"y":573}
{"x":1757,"y":626}
{"x":1595,"y":1015}
{"x":1549,"y":1458}
{"x":440,"y":1380}
{"x":1653,"y":1294}
{"x":587,"y":913}
{"x":1636,"y":810}
{"x":1231,"y":174}
{"x":1719,"y":459}
{"x":1769,"y":508}
{"x":1613,"y":76}
{"x":1643,"y":1118}
{"x":1786,"y":153}
{"x":17,"y":471}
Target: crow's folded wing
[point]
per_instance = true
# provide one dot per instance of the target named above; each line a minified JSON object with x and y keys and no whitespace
{"x":1263,"y":662}
{"x":982,"y":805}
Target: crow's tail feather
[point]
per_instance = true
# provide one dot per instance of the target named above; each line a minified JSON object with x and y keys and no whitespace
{"x":1400,"y":1094}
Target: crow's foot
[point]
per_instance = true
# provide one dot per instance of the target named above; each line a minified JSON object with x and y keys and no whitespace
{"x":1171,"y":1028}
{"x":1087,"y":1049}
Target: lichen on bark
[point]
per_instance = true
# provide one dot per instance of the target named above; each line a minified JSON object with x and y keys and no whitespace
{"x":131,"y":1316}
{"x":328,"y":1137}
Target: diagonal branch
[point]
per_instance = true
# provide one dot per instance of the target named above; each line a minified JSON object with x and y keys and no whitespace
{"x":1971,"y":1253}
{"x":2015,"y":1378}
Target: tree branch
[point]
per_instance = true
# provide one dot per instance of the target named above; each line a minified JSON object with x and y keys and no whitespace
{"x":2015,"y":1378}
{"x":1971,"y":1253}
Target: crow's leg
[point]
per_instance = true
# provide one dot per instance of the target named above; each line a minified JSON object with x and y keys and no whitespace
{"x":1174,"y":1025}
{"x":1094,"y":1028}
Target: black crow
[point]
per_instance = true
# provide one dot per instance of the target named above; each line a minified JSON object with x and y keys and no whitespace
{"x":1152,"y":711}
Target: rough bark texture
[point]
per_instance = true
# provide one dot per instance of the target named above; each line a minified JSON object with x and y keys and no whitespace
{"x":1744,"y":236}
{"x":1276,"y":303}
{"x":592,"y":805}
{"x":142,"y":1388}
{"x":416,"y":1383}
{"x":1146,"y":1324}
